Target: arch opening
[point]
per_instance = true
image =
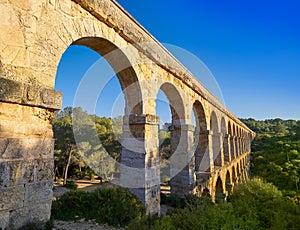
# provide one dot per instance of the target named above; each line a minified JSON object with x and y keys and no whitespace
{"x":216,"y":143}
{"x":225,"y":144}
{"x":107,"y":91}
{"x":202,"y":160}
{"x":219,"y":194}
{"x":228,"y":184}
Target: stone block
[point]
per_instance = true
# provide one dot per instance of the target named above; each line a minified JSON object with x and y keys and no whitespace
{"x":11,"y":91}
{"x":11,"y":173}
{"x":12,"y":197}
{"x":44,"y":170}
{"x":38,"y":192}
{"x":12,"y":148}
{"x":50,"y":98}
{"x":29,"y":171}
{"x":4,"y":219}
{"x":40,"y":148}
{"x":16,"y":92}
{"x":33,"y":213}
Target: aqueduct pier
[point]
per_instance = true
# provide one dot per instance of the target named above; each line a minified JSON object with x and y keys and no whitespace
{"x":33,"y":37}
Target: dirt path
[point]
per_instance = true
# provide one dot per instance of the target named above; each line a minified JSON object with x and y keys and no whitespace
{"x":83,"y":185}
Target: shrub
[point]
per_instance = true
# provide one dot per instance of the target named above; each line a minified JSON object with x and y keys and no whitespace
{"x":152,"y":222}
{"x":71,"y":185}
{"x":115,"y":206}
{"x":264,"y":203}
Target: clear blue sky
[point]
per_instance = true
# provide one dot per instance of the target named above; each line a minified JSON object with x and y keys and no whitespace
{"x":252,"y":48}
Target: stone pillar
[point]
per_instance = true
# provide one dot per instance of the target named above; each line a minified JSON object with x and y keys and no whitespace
{"x":26,"y":153}
{"x":182,"y":160}
{"x":232,"y":147}
{"x":226,"y":147}
{"x":140,"y":171}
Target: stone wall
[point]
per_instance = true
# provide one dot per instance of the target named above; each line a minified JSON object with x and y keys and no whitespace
{"x":26,"y":152}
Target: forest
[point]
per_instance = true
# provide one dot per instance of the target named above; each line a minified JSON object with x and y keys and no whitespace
{"x":276,"y":153}
{"x":270,"y":200}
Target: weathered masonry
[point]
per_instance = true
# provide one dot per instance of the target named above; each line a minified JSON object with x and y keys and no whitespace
{"x":211,"y":157}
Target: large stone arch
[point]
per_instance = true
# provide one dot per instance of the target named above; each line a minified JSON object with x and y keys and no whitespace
{"x":202,"y":160}
{"x":231,"y":137}
{"x":122,"y":67}
{"x":176,"y":102}
{"x":201,"y":143}
{"x":238,"y":172}
{"x":235,"y":135}
{"x":182,"y":161}
{"x":216,"y":143}
{"x":228,"y":182}
{"x":225,"y":141}
{"x":219,"y":190}
{"x":234,"y":175}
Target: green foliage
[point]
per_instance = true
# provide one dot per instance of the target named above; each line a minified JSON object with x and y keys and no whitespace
{"x":115,"y":206}
{"x":96,"y":137}
{"x":276,"y":156}
{"x":254,"y":205}
{"x":164,"y":145}
{"x":152,"y":222}
{"x":71,"y":185}
{"x":266,"y":204}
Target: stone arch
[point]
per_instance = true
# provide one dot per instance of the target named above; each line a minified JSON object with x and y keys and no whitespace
{"x":235,"y":134}
{"x":181,"y":161}
{"x":240,"y":141}
{"x":238,"y":172}
{"x":122,"y":67}
{"x":225,"y":144}
{"x":176,"y":103}
{"x":234,"y":175}
{"x":228,"y":182}
{"x":219,"y":190}
{"x":202,"y":161}
{"x":243,"y":170}
{"x":231,"y":137}
{"x":216,"y":143}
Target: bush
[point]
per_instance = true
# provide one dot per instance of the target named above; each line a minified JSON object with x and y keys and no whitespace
{"x":114,"y":206}
{"x":152,"y":222}
{"x":264,"y":203}
{"x":71,"y":185}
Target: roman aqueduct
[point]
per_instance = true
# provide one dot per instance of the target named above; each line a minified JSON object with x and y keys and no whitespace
{"x":33,"y":37}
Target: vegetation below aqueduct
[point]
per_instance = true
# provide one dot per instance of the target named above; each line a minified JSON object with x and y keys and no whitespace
{"x":273,"y":204}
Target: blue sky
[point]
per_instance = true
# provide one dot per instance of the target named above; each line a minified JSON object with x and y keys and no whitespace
{"x":251,"y":47}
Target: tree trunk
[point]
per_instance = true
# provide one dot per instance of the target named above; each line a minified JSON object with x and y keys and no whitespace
{"x":67,"y":167}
